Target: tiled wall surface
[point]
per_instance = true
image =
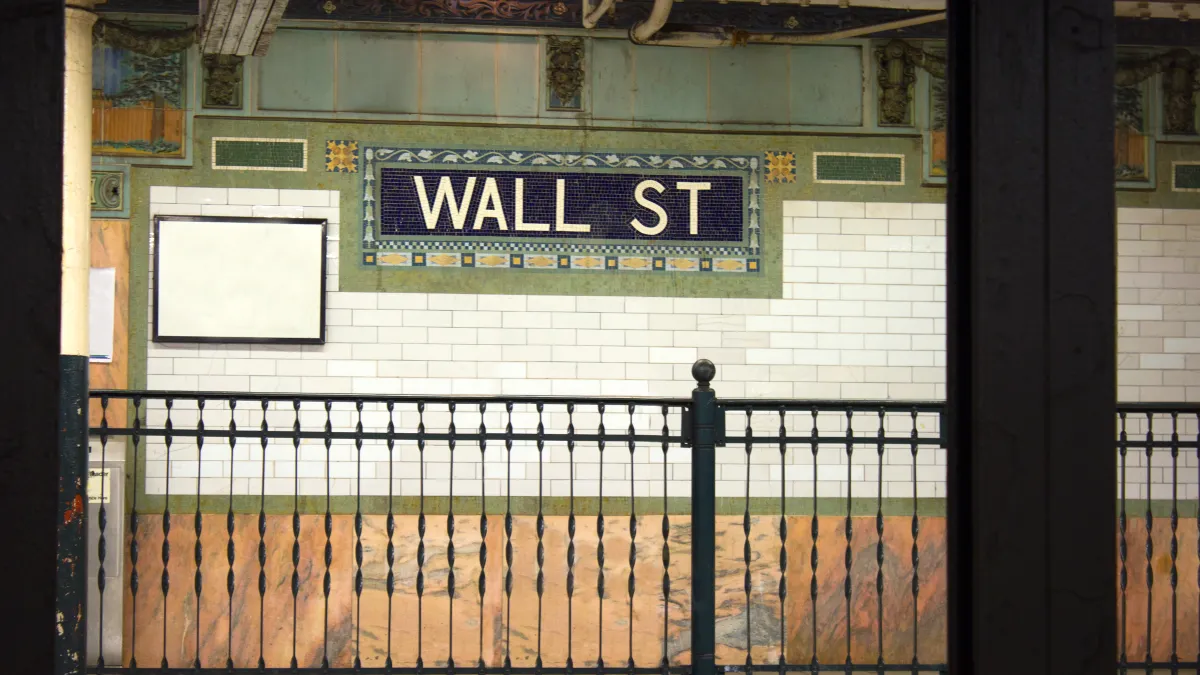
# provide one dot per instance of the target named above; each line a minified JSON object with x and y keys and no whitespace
{"x":862,"y":317}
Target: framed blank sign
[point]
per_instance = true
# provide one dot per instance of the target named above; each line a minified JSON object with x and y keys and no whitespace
{"x":219,"y":279}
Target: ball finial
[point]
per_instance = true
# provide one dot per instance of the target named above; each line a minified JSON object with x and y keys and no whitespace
{"x":704,"y":371}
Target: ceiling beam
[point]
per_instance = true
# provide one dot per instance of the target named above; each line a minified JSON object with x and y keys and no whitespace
{"x":239,"y":27}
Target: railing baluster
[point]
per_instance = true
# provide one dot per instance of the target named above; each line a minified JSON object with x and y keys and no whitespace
{"x":450,"y":586}
{"x":746,"y":541}
{"x":391,"y":529}
{"x":133,"y":535}
{"x":1123,"y":549}
{"x":879,"y":536}
{"x":358,"y":527}
{"x":783,"y":561}
{"x":264,"y":429}
{"x":508,"y":547}
{"x":632,"y":531}
{"x":541,"y":528}
{"x":483,"y":526}
{"x":849,"y":583}
{"x":421,"y":540}
{"x":814,"y":664}
{"x":197,"y":552}
{"x":166,"y":530}
{"x":571,"y":538}
{"x":666,"y":547}
{"x":600,"y":548}
{"x":326,"y":581}
{"x":101,"y":543}
{"x":295,"y":527}
{"x":229,"y":548}
{"x":916,"y":554}
{"x":1149,"y":545}
{"x":1174,"y":543}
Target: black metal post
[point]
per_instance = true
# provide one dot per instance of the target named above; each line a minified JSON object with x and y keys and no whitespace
{"x":704,"y":441}
{"x":31,"y":76}
{"x":1031,"y":318}
{"x":71,"y":615}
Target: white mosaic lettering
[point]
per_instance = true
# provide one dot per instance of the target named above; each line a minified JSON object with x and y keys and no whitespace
{"x":560,"y":210}
{"x":445,"y":193}
{"x":521,"y":225}
{"x":693,"y":190}
{"x":490,"y":206}
{"x":640,"y":196}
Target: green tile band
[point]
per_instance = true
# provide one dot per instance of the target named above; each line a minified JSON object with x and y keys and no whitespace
{"x":858,"y":169}
{"x":260,"y":153}
{"x":1187,"y":177}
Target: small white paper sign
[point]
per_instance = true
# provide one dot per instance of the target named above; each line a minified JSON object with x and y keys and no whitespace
{"x":102,"y":291}
{"x":99,"y":480}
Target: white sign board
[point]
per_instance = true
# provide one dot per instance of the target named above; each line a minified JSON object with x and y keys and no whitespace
{"x":99,"y":486}
{"x":102,"y":293}
{"x":239,"y":280}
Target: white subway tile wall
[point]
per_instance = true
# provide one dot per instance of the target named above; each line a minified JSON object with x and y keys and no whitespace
{"x":862,"y":317}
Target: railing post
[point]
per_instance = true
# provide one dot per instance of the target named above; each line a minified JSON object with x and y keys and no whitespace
{"x":703,"y":430}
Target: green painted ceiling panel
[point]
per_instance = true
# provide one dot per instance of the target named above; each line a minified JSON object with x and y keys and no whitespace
{"x":670,"y":83}
{"x":297,"y":73}
{"x":458,"y":75}
{"x":611,"y":66}
{"x":517,"y":77}
{"x":826,"y":85}
{"x":377,"y":72}
{"x":748,"y":84}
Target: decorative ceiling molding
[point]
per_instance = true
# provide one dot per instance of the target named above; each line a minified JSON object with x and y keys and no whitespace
{"x":775,"y":16}
{"x":153,"y":43}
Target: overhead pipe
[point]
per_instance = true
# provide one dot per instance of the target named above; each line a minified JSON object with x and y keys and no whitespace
{"x":591,"y":17}
{"x":724,"y":37}
{"x":643,"y":32}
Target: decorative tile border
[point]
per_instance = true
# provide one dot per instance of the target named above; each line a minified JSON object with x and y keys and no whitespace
{"x":251,"y":145}
{"x":1190,"y":172}
{"x":110,"y":191}
{"x":780,"y":167}
{"x":602,"y":255}
{"x":860,"y":158}
{"x":341,"y":156}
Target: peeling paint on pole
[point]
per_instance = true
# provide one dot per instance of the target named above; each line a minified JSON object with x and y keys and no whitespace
{"x":71,"y":636}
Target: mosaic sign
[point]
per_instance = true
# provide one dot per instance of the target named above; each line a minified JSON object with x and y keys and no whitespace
{"x":559,"y":211}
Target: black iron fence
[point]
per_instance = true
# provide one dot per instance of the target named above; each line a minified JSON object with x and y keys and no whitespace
{"x":346,"y":534}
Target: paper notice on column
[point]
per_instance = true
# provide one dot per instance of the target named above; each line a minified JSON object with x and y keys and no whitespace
{"x":102,"y":288}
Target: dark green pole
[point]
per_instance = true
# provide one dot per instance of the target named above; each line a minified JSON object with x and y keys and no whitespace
{"x":704,"y":440}
{"x":70,"y":630}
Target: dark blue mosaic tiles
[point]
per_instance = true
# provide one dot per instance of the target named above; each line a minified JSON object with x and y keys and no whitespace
{"x":552,"y":211}
{"x":556,"y":205}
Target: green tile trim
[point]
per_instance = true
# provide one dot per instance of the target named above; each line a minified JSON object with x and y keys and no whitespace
{"x":1185,"y":176}
{"x":260,"y":154}
{"x":858,"y":168}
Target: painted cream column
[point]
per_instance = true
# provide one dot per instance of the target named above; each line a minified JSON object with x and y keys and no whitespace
{"x":72,"y":577}
{"x":77,"y":177}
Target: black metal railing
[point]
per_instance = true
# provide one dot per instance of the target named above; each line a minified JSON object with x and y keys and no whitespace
{"x":347,"y":570}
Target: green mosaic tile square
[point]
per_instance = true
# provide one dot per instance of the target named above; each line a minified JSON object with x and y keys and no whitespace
{"x":284,"y":155}
{"x":1187,"y":177}
{"x":859,"y":169}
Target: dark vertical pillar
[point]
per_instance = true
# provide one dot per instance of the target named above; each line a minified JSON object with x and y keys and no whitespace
{"x":31,"y":77}
{"x":704,"y":526}
{"x":1032,"y":325}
